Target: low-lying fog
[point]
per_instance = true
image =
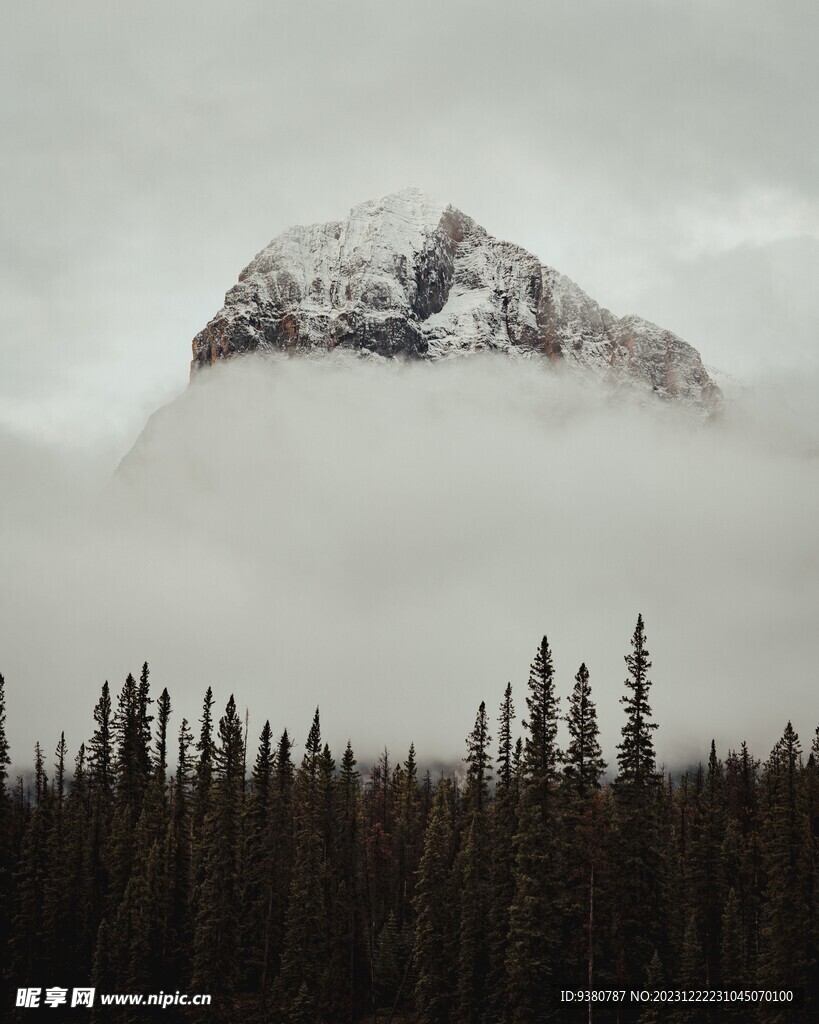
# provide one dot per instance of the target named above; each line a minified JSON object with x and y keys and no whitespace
{"x":391,"y":543}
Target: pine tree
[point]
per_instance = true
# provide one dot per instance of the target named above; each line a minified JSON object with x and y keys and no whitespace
{"x":473,"y":864}
{"x":300,"y":985}
{"x":257,"y":894}
{"x":540,"y":752}
{"x":705,"y":859}
{"x":409,"y":839}
{"x":636,"y":762}
{"x":784,"y":934}
{"x":30,"y":942}
{"x":178,"y":859}
{"x":282,"y":855}
{"x":503,"y":826}
{"x":100,"y":748}
{"x":478,"y":761}
{"x":204,"y":766}
{"x":584,"y":758}
{"x":217,"y":926}
{"x":435,"y":927}
{"x":535,"y":918}
{"x":101,"y":805}
{"x":144,"y":735}
{"x":584,"y":833}
{"x":57,"y":881}
{"x":346,"y":963}
{"x":129,"y":766}
{"x":163,"y":708}
{"x":640,"y":820}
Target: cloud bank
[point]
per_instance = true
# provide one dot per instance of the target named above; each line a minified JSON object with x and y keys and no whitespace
{"x":391,"y":543}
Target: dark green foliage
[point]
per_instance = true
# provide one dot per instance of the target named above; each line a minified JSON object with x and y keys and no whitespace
{"x":436,"y":927}
{"x":786,"y":856}
{"x":635,"y":760}
{"x":217,"y":921}
{"x":503,"y":826}
{"x":584,"y":759}
{"x":307,"y":896}
{"x":640,"y":824}
{"x":534,"y":914}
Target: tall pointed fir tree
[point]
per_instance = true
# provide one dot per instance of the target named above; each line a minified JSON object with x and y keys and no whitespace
{"x":217,"y":925}
{"x":473,"y":875}
{"x":101,"y":804}
{"x":705,"y":863}
{"x":258,"y":880}
{"x":201,"y":798}
{"x":160,"y":766}
{"x":57,"y":926}
{"x":585,"y":827}
{"x":282,"y":854}
{"x":28,"y":957}
{"x":300,"y":985}
{"x":786,"y":850}
{"x":347,"y":974}
{"x":535,"y":915}
{"x":176,"y":958}
{"x":503,"y":826}
{"x":409,"y":839}
{"x":436,"y":926}
{"x":639,"y":817}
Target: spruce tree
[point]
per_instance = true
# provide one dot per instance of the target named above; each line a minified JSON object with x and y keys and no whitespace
{"x":57,"y":882}
{"x":584,"y":833}
{"x":435,"y":926}
{"x":640,"y":822}
{"x":101,"y":806}
{"x":300,"y":986}
{"x":178,"y":858}
{"x":260,"y":869}
{"x":478,"y":765}
{"x":473,"y":874}
{"x":163,"y":714}
{"x":784,"y":936}
{"x":409,"y":839}
{"x":584,"y":759}
{"x":705,"y":860}
{"x":216,"y":935}
{"x":636,"y":760}
{"x":503,"y":826}
{"x":535,"y":913}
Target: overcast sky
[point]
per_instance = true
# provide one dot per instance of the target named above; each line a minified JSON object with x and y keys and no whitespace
{"x":662,"y":154}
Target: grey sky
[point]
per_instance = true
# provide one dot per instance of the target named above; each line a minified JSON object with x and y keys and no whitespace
{"x":662,"y":154}
{"x":150,"y":150}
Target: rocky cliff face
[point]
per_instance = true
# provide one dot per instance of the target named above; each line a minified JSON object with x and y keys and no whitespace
{"x":405,"y":277}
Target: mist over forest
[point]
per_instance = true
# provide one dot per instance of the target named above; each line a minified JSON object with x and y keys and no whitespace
{"x":391,"y":542}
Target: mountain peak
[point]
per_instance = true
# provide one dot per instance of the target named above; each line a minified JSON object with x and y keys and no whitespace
{"x":407,"y":276}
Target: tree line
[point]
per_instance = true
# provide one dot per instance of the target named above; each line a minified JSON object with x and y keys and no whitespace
{"x":302,"y":892}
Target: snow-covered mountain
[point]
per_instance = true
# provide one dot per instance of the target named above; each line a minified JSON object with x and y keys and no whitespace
{"x":408,"y":277}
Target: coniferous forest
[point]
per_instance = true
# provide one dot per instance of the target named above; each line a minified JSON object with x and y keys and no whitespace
{"x":184,"y":856}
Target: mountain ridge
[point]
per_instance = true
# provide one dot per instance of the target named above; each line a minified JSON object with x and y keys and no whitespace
{"x":409,"y":277}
